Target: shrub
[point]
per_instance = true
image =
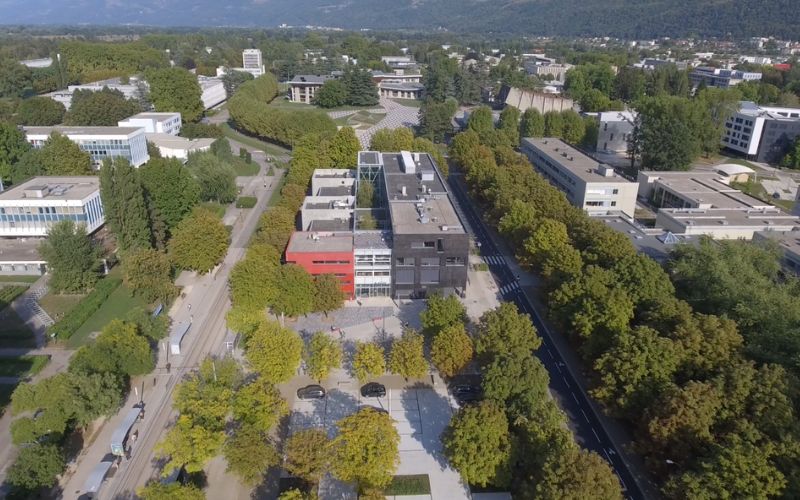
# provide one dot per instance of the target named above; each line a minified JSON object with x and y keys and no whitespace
{"x":246,"y":201}
{"x":75,"y":318}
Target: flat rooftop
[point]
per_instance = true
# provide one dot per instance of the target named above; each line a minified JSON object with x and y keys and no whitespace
{"x":439,"y":211}
{"x":177,"y":142}
{"x":788,"y":241}
{"x":153,"y":115}
{"x":335,"y":191}
{"x":572,"y":160}
{"x":309,"y":79}
{"x":312,"y":242}
{"x":331,"y":225}
{"x":707,"y":188}
{"x":20,"y":250}
{"x":53,"y":188}
{"x":372,"y":240}
{"x":81,"y":130}
{"x":721,"y":218}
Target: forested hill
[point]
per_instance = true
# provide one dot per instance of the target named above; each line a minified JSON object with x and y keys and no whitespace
{"x":620,"y":18}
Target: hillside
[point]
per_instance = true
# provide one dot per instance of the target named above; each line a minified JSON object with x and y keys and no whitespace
{"x":621,"y":18}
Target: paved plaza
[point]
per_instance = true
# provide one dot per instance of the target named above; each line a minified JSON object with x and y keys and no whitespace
{"x":397,"y":116}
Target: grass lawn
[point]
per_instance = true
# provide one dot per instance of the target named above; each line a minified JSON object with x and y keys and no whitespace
{"x":272,"y":149}
{"x":23,"y":366}
{"x":57,"y":305}
{"x":13,"y":332}
{"x":9,"y":293}
{"x":411,"y":103}
{"x":246,"y":201}
{"x":416,"y":484}
{"x":216,"y":208}
{"x":756,"y":190}
{"x":22,"y":278}
{"x":365,"y":118}
{"x":244,"y":169}
{"x":117,"y":306}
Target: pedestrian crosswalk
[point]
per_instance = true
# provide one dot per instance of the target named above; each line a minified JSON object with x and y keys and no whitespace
{"x":494,"y":260}
{"x":509,"y":288}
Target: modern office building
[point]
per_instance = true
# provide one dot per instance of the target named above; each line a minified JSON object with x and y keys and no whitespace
{"x":252,"y":62}
{"x":590,"y":185}
{"x":303,"y":88}
{"x":761,"y":133}
{"x":172,"y":146}
{"x":557,"y":72}
{"x":31,"y":208}
{"x":99,"y":142}
{"x":154,"y":123}
{"x":703,"y":203}
{"x":615,"y":129}
{"x":722,"y":78}
{"x":396,"y":89}
{"x":409,"y":244}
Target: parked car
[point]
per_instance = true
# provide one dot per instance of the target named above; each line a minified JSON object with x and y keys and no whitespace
{"x":466,"y":393}
{"x":373,"y":390}
{"x":311,"y":392}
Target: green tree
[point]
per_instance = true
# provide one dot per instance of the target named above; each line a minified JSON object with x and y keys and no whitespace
{"x":441,"y":313}
{"x":292,"y":494}
{"x":295,"y":291}
{"x":37,"y":466}
{"x":504,"y":330}
{"x":574,"y":127}
{"x":274,"y":351}
{"x":435,"y":118}
{"x":61,"y":156}
{"x":307,"y":454}
{"x":215,"y":177}
{"x":548,"y":248}
{"x":481,"y":121}
{"x":333,"y":93}
{"x":407,"y":357}
{"x":343,"y":148}
{"x":12,"y":148}
{"x":451,"y":350}
{"x":664,"y":133}
{"x":71,"y":257}
{"x":392,"y":140}
{"x":124,"y":205}
{"x":104,"y":108}
{"x":790,"y":160}
{"x":156,"y":490}
{"x":553,"y":124}
{"x":509,"y":124}
{"x":361,"y":89}
{"x":253,"y":279}
{"x":275,"y":227}
{"x":40,"y":111}
{"x":189,"y":445}
{"x":576,"y":475}
{"x":119,"y":349}
{"x":424,"y":145}
{"x":717,"y":106}
{"x":259,"y":404}
{"x":514,"y":380}
{"x":369,"y":361}
{"x":323,"y":354}
{"x":594,"y":100}
{"x":175,"y":89}
{"x":249,"y":454}
{"x":232,"y":80}
{"x":366,"y":449}
{"x":366,"y":195}
{"x":199,"y":242}
{"x":532,"y":123}
{"x":15,"y":78}
{"x":169,"y":188}
{"x":477,"y":444}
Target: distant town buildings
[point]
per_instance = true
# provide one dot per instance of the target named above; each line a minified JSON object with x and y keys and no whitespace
{"x":31,"y":208}
{"x":252,"y":62}
{"x":703,"y":203}
{"x":154,"y":123}
{"x":762,"y":133}
{"x":99,"y":142}
{"x":722,"y":78}
{"x":587,"y":184}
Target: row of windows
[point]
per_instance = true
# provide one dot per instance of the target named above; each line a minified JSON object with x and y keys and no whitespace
{"x":438,"y":245}
{"x":429,"y":261}
{"x":331,"y":262}
{"x":600,"y":204}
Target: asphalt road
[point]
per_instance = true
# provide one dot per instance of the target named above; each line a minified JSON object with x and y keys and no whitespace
{"x":584,"y":421}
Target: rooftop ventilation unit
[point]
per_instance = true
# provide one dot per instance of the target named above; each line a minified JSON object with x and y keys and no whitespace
{"x":409,"y":166}
{"x":427,"y":175}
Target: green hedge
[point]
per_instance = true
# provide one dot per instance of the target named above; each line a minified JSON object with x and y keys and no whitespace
{"x":246,"y":201}
{"x":76,"y":317}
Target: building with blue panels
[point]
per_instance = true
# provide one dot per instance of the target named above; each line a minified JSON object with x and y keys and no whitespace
{"x":100,"y":142}
{"x":31,"y":208}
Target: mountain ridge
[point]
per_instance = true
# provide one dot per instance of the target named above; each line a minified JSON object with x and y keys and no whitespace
{"x":619,"y":18}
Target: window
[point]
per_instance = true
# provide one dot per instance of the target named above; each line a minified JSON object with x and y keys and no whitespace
{"x":405,"y":277}
{"x":454,"y":261}
{"x":440,"y":245}
{"x":429,"y":276}
{"x":615,"y":191}
{"x":613,"y":203}
{"x":430,"y":262}
{"x":405,"y":261}
{"x":422,"y":244}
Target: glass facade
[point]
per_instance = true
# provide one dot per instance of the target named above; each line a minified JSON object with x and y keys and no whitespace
{"x":27,"y":220}
{"x":133,"y":149}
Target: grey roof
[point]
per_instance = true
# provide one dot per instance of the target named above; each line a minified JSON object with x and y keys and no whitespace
{"x":126,"y":131}
{"x":338,"y":225}
{"x":20,"y":250}
{"x":58,"y":188}
{"x":335,"y":191}
{"x":309,"y":79}
{"x":372,"y":240}
{"x":570,"y":159}
{"x":309,"y":242}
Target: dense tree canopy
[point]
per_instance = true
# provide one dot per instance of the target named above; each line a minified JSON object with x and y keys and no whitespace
{"x":40,"y":111}
{"x":177,"y":90}
{"x":199,"y":242}
{"x":104,"y":108}
{"x":71,"y":257}
{"x":365,"y":450}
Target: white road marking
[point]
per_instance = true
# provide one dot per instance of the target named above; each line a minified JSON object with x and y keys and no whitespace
{"x":595,"y":434}
{"x":584,"y":415}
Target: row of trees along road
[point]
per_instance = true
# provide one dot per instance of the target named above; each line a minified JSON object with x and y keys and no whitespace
{"x":709,"y":417}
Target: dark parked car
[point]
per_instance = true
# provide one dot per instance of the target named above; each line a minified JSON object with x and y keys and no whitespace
{"x":311,"y":392}
{"x":465,"y":393}
{"x":373,"y":390}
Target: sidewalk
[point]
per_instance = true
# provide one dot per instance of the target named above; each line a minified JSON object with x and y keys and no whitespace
{"x":27,"y":308}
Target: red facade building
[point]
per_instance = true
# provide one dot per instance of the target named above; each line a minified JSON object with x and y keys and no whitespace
{"x":324,"y":253}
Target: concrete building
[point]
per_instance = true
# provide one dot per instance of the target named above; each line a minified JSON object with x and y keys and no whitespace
{"x":789,"y":244}
{"x":99,"y":142}
{"x":171,"y":146}
{"x":722,"y":78}
{"x":526,"y":99}
{"x":324,"y":253}
{"x":399,"y":62}
{"x":132,"y":89}
{"x":615,"y":129}
{"x":702,"y":203}
{"x":154,"y":123}
{"x":761,"y":133}
{"x":31,"y":208}
{"x":213,"y":91}
{"x":556,"y":72}
{"x":303,"y":88}
{"x":396,"y":89}
{"x":587,"y":184}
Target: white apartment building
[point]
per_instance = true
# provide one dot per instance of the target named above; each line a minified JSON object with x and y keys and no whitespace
{"x":99,"y":142}
{"x":588,"y":184}
{"x":761,"y":132}
{"x":615,"y":129}
{"x":558,"y":72}
{"x":252,"y":62}
{"x":154,"y":123}
{"x":31,"y":208}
